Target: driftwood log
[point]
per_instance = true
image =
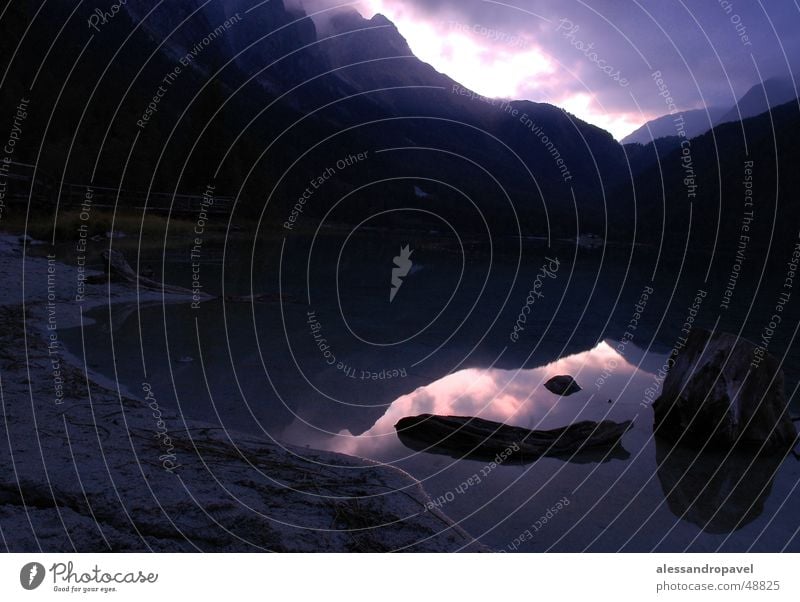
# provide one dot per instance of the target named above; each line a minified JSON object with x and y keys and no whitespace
{"x":479,"y":439}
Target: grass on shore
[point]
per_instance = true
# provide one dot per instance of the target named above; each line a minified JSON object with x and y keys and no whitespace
{"x":153,"y":228}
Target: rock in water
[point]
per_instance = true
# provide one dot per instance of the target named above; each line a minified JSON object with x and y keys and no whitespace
{"x":717,"y":392}
{"x":562,"y":385}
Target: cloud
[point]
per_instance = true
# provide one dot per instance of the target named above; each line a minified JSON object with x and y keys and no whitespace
{"x":597,"y":60}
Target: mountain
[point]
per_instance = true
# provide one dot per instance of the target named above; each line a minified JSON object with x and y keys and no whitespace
{"x":643,"y":156}
{"x":737,"y":167}
{"x":696,"y":122}
{"x":267,"y":99}
{"x":760,"y":98}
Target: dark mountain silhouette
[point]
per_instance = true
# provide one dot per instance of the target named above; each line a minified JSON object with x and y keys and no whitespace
{"x":760,"y":98}
{"x":266,"y":101}
{"x":277,"y":102}
{"x":643,"y":156}
{"x":759,"y":155}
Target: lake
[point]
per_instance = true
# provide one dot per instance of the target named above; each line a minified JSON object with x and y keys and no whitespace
{"x":339,"y":348}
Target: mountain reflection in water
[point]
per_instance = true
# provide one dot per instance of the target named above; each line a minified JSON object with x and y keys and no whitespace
{"x":659,"y":496}
{"x":516,"y":397}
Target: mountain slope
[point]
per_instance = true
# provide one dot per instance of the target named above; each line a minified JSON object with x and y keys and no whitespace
{"x":762,"y":150}
{"x":264,"y":102}
{"x":697,"y":122}
{"x":760,"y":98}
{"x":358,"y":77}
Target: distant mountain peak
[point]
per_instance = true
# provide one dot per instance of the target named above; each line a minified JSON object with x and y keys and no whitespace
{"x":381,"y":19}
{"x":377,"y":37}
{"x":772,"y":92}
{"x":346,"y":18}
{"x":349,"y":19}
{"x":695,"y":123}
{"x":758,"y":99}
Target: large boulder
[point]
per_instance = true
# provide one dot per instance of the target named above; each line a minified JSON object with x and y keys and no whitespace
{"x":722,"y":392}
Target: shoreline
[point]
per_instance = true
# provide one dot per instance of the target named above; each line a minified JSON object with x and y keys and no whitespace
{"x":94,"y":477}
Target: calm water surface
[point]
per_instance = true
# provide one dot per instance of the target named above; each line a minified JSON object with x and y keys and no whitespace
{"x":339,"y":362}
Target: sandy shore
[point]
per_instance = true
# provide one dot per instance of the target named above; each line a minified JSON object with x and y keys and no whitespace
{"x":87,"y":467}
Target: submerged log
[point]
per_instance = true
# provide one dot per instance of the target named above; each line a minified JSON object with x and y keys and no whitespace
{"x":261,"y":298}
{"x":119,"y":270}
{"x":479,"y":439}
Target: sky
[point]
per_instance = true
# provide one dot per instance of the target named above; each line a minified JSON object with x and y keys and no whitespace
{"x":597,"y":59}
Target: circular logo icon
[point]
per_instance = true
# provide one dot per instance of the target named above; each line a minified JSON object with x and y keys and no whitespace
{"x":31,"y":575}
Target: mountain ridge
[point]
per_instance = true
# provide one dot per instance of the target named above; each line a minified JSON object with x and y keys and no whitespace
{"x":759,"y":98}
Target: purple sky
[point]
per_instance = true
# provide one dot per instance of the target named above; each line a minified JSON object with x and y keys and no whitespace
{"x":596,"y":59}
